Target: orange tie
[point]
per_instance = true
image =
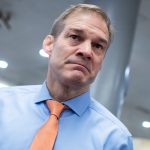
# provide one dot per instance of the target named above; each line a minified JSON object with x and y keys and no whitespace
{"x":45,"y":137}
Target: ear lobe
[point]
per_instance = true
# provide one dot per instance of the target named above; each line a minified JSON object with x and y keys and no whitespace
{"x":48,"y":44}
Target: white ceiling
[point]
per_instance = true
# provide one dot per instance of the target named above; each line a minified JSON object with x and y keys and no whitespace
{"x":30,"y":22}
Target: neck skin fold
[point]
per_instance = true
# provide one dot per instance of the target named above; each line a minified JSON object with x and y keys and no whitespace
{"x":62,"y":92}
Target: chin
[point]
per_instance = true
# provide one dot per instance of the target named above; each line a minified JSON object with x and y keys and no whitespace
{"x":76,"y":78}
{"x":76,"y":81}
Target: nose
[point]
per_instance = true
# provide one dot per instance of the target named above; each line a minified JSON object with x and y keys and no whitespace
{"x":85,"y":50}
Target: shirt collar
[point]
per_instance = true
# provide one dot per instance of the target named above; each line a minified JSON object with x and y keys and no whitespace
{"x":78,"y":104}
{"x":43,"y":94}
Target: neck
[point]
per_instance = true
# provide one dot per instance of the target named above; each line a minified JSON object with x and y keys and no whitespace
{"x":63,"y":92}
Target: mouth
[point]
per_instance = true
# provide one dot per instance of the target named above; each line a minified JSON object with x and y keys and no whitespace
{"x":83,"y":66}
{"x":80,"y":66}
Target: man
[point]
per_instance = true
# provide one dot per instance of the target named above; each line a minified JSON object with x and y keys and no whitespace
{"x":76,"y":47}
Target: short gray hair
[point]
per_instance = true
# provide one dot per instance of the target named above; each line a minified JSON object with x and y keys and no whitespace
{"x":59,"y":23}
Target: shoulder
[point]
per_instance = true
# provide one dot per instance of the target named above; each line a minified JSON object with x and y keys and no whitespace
{"x":22,"y":89}
{"x":14,"y":100}
{"x":113,"y":130}
{"x":108,"y":118}
{"x":18,"y":92}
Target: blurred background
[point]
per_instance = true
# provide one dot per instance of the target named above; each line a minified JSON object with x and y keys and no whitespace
{"x":123,"y":84}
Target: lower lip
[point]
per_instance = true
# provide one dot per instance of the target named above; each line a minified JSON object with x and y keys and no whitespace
{"x":80,"y":67}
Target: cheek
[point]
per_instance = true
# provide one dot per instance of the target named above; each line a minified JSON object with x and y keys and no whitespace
{"x":60,"y":54}
{"x":97,"y":65}
{"x":56,"y":52}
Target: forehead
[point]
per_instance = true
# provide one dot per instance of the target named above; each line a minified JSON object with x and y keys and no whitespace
{"x":91,"y":23}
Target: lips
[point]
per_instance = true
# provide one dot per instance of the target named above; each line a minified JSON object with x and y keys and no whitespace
{"x":80,"y":65}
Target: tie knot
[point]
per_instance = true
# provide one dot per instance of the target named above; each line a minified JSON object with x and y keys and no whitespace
{"x":55,"y":107}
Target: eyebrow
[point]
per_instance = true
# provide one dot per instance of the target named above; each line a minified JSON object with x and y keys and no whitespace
{"x":103,"y":41}
{"x":80,"y":31}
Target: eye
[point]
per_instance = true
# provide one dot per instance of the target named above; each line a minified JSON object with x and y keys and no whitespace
{"x":98,"y":46}
{"x":75,"y":37}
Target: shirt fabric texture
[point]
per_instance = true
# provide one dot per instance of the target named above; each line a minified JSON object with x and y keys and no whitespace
{"x":87,"y":125}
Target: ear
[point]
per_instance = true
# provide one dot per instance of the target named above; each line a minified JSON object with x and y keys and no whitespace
{"x":48,"y":44}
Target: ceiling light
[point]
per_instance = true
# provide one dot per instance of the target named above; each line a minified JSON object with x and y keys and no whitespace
{"x":3,"y":64}
{"x":3,"y":85}
{"x":127,"y":71}
{"x":42,"y":53}
{"x":146,"y":124}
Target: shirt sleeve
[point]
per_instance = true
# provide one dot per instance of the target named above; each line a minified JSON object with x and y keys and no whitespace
{"x":128,"y":145}
{"x":119,"y":141}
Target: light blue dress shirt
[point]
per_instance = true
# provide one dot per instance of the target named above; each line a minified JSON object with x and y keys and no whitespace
{"x":87,"y":125}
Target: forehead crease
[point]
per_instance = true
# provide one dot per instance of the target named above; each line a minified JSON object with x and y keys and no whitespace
{"x":84,"y":31}
{"x":80,"y":31}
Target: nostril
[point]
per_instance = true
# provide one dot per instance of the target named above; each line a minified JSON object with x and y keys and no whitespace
{"x":83,"y":56}
{"x":88,"y":58}
{"x":80,"y":54}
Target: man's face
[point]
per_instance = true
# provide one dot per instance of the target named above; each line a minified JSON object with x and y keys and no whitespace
{"x":77,"y":53}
